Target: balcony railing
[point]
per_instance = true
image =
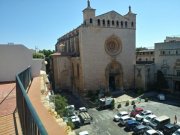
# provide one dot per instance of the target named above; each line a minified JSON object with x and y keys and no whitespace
{"x":174,"y":77}
{"x":30,"y":122}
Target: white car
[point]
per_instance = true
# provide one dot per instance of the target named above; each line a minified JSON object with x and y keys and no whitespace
{"x":82,"y":109}
{"x":124,"y":119}
{"x":148,"y":118}
{"x":83,"y":133}
{"x":153,"y":132}
{"x":119,"y":115}
{"x":143,"y":114}
{"x":177,"y":132}
{"x":161,"y":97}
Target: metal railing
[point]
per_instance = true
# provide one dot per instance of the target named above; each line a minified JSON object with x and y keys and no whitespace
{"x":30,"y":122}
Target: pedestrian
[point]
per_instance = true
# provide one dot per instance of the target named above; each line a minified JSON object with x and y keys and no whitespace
{"x":175,"y":119}
{"x":134,"y":106}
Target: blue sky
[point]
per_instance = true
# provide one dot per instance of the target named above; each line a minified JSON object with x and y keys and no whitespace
{"x":41,"y":22}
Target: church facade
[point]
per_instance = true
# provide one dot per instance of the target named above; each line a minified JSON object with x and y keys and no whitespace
{"x":100,"y":53}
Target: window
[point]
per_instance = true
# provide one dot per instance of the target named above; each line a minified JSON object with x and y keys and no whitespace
{"x":99,"y":22}
{"x":178,"y":72}
{"x":121,"y":24}
{"x":163,"y":52}
{"x":113,"y":23}
{"x":91,"y":20}
{"x":132,"y":24}
{"x":104,"y":23}
{"x":125,"y":24}
{"x":117,"y":23}
{"x":78,"y":71}
{"x":108,"y":23}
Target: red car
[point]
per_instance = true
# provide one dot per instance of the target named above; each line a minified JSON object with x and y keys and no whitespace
{"x":136,"y":111}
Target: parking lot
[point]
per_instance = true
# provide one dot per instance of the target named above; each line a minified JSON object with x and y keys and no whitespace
{"x":103,"y":123}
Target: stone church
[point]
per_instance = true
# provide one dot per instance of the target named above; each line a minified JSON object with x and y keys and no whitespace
{"x":100,"y":53}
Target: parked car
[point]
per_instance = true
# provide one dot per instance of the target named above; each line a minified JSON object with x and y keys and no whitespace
{"x":131,"y":124}
{"x":82,"y":109}
{"x":83,"y":133}
{"x":85,"y":117}
{"x":177,"y":132}
{"x":140,"y":129}
{"x":161,"y":97}
{"x":153,"y":132}
{"x":143,"y":114}
{"x":148,"y":119}
{"x":136,"y":111}
{"x":119,"y":115}
{"x":124,"y":119}
{"x":76,"y":121}
{"x":169,"y":129}
{"x":159,"y":122}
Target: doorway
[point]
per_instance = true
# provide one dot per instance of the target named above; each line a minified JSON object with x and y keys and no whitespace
{"x":114,"y":76}
{"x":112,"y":84}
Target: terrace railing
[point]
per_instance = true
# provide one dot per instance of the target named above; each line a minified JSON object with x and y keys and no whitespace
{"x":30,"y":122}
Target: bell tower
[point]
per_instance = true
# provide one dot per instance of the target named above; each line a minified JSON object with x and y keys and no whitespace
{"x":88,"y":14}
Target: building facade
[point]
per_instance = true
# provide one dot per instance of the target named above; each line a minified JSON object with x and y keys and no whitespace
{"x":145,"y":56}
{"x":167,"y":60}
{"x":15,"y":58}
{"x":100,"y":53}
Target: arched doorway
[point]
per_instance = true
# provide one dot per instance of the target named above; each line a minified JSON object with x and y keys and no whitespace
{"x":114,"y":76}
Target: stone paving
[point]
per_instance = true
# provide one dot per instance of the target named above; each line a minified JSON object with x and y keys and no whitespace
{"x":7,"y":98}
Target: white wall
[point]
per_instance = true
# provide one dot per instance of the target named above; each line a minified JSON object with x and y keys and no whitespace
{"x":14,"y":59}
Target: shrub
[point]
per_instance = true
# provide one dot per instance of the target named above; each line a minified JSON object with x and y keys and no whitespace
{"x":146,"y":100}
{"x":112,"y":104}
{"x":133,"y":102}
{"x":69,"y":123}
{"x":119,"y":106}
{"x":127,"y":103}
{"x":90,"y":93}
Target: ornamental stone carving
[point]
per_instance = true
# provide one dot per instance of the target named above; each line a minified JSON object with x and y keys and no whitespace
{"x":113,"y":45}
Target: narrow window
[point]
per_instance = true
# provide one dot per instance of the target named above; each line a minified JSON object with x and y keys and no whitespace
{"x":78,"y":71}
{"x":132,"y":24}
{"x":125,"y":24}
{"x":99,"y":22}
{"x":117,"y":23}
{"x":113,"y":23}
{"x":121,"y":24}
{"x":108,"y":23}
{"x":91,"y":21}
{"x":103,"y":22}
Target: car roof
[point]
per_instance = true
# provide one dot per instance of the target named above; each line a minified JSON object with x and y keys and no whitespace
{"x":162,"y":118}
{"x":169,"y":125}
{"x":123,"y":112}
{"x":139,"y":109}
{"x":151,"y":131}
{"x":147,"y":111}
{"x":140,"y":126}
{"x":83,"y":133}
{"x":131,"y":121}
{"x":125,"y":117}
{"x":151,"y":116}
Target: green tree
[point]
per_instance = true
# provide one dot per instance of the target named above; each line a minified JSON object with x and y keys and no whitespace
{"x":47,"y":54}
{"x":61,"y":103}
{"x":38,"y":55}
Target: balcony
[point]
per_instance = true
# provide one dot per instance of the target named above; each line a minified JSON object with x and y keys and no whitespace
{"x":172,"y":77}
{"x":25,"y":110}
